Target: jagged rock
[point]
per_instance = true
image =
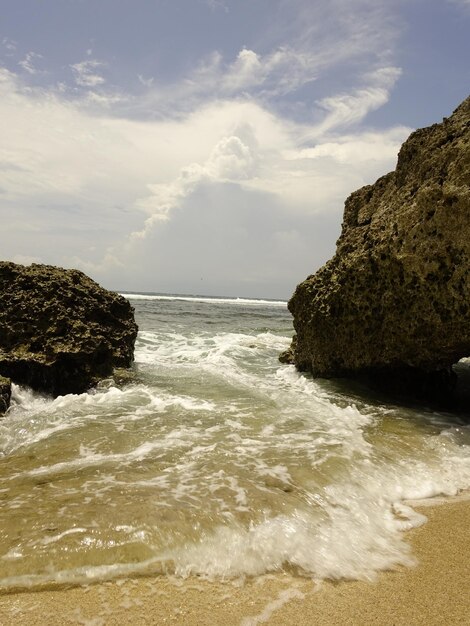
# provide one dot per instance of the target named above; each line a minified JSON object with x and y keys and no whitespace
{"x":60,"y":332}
{"x":5,"y":394}
{"x":288,"y":356}
{"x":394,"y":301}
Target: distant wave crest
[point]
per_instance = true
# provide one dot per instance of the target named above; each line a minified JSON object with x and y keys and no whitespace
{"x":205,"y":299}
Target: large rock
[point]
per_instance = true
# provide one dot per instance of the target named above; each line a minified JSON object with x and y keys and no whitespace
{"x":5,"y":394}
{"x":60,"y":332}
{"x":394,"y":301}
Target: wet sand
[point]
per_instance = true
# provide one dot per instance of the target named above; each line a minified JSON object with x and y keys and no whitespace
{"x":434,"y":592}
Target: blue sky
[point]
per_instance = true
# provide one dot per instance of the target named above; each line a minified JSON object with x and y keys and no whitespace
{"x":207,"y":146}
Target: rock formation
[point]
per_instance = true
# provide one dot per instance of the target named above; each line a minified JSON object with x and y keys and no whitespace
{"x":5,"y":394}
{"x":394,"y":301}
{"x":60,"y":332}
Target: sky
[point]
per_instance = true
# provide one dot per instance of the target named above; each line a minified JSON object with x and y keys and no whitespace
{"x":208,"y":146}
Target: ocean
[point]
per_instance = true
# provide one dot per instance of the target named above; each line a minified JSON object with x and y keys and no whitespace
{"x":212,"y":459}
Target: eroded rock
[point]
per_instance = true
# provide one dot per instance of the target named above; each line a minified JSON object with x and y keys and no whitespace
{"x":394,"y":301}
{"x":288,"y":356}
{"x":60,"y":332}
{"x":5,"y":394}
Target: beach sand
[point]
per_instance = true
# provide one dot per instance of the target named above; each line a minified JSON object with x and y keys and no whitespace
{"x":436,"y":591}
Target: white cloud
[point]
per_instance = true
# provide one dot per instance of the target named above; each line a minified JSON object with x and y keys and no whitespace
{"x":340,"y":33}
{"x":25,"y":260}
{"x":247,"y":71}
{"x":378,"y":147}
{"x":280,"y":72}
{"x":28,"y":62}
{"x":217,"y":4}
{"x":463,"y":3}
{"x":302,"y":41}
{"x":103,"y":100}
{"x":273,"y":160}
{"x":9,"y":44}
{"x":108,"y":263}
{"x":250,"y":75}
{"x":206,"y":175}
{"x":350,"y":108}
{"x":96,"y":190}
{"x":147,"y":82}
{"x":85,"y":74}
{"x":230,"y":160}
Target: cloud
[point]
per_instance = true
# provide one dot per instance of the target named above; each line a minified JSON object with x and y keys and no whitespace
{"x":277,"y":73}
{"x":217,"y":4}
{"x":147,"y":82}
{"x":85,"y":74}
{"x":28,"y":62}
{"x":349,"y":108}
{"x":270,"y":157}
{"x":463,"y":3}
{"x":10,"y":45}
{"x":108,"y":263}
{"x":301,"y":43}
{"x":25,"y":260}
{"x":103,"y":100}
{"x":359,"y":148}
{"x":230,"y":160}
{"x":340,"y":34}
{"x":235,"y":173}
{"x":97,"y":191}
{"x":249,"y":76}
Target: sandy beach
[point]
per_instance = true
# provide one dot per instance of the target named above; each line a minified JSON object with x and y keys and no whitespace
{"x":433,"y":592}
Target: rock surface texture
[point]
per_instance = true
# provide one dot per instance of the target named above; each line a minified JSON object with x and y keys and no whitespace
{"x":60,"y":332}
{"x":394,"y":301}
{"x":5,"y":394}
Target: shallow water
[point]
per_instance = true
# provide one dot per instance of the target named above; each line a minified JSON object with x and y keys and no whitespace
{"x":216,"y":460}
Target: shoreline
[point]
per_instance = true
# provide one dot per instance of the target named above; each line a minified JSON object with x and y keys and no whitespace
{"x":435,"y":591}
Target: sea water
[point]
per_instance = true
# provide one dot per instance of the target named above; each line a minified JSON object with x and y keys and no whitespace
{"x":213,"y":459}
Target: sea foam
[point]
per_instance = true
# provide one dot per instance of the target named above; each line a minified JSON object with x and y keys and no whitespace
{"x":215,"y":460}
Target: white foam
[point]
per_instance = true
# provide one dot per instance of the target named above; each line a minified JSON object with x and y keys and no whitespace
{"x":175,"y":439}
{"x":207,"y":299}
{"x":71,"y":531}
{"x":335,"y":549}
{"x":34,"y":417}
{"x":218,"y":461}
{"x":204,"y":349}
{"x":81,"y":575}
{"x":284,"y":596}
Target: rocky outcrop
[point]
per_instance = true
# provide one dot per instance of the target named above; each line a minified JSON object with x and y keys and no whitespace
{"x":394,"y":301}
{"x":5,"y":394}
{"x":60,"y":332}
{"x":288,"y":356}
